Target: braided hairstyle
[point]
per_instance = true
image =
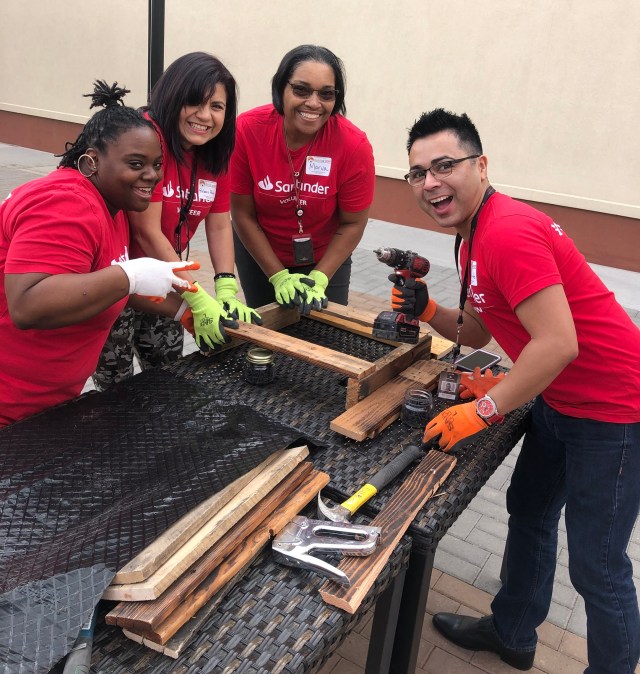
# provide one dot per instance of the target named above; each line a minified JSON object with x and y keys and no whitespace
{"x":106,"y":125}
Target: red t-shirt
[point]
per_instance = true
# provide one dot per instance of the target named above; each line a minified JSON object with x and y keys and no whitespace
{"x":211,"y":195}
{"x":518,"y":251}
{"x":58,"y":224}
{"x":336,"y":172}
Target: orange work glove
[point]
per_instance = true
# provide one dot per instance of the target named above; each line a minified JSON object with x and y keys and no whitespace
{"x":187,"y":322}
{"x":454,"y":424}
{"x":476,"y":385}
{"x":412,"y":297}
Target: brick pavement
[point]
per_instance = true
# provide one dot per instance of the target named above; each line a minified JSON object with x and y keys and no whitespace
{"x":468,"y":560}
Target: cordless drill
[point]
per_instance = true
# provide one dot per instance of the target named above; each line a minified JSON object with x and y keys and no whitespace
{"x":394,"y":325}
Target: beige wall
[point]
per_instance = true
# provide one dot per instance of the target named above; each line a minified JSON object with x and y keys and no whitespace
{"x":551,"y":85}
{"x":51,"y":52}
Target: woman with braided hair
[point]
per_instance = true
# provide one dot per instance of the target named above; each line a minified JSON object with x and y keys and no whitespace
{"x":193,"y":108}
{"x":65,"y":272}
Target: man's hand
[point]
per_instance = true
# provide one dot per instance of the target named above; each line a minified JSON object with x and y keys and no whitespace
{"x":209,"y":318}
{"x":476,"y":385}
{"x":290,"y":289}
{"x":316,"y":297}
{"x":226,"y":291}
{"x":456,"y":423}
{"x":412,"y":297}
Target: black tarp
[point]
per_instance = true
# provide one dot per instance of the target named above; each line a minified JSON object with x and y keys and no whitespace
{"x":86,"y":486}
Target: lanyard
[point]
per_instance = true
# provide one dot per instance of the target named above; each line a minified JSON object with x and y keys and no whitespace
{"x":463,"y":290}
{"x":185,"y":206}
{"x":294,"y":176}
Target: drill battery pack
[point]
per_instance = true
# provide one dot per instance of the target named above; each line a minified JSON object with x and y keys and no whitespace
{"x":397,"y":327}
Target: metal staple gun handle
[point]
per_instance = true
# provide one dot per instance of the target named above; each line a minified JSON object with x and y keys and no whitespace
{"x":302,"y":535}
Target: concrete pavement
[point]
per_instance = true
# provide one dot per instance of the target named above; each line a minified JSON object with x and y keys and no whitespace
{"x":469,"y":557}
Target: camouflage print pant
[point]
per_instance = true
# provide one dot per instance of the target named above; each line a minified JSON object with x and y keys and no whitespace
{"x":153,"y":340}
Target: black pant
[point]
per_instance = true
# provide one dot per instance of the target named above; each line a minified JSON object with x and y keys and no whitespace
{"x":258,"y":291}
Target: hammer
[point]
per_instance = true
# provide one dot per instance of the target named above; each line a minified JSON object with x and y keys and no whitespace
{"x":344,"y":511}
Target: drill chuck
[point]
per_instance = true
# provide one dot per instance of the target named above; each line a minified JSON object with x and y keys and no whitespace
{"x":408,"y":260}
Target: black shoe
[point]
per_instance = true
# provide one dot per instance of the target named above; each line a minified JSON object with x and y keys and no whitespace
{"x":478,"y":634}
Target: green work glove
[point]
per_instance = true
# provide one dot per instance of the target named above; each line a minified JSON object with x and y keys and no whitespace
{"x":226,"y":291}
{"x":290,"y":289}
{"x":316,"y":297}
{"x":209,"y":318}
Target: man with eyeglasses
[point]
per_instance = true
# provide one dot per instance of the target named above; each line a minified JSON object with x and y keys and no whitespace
{"x":525,"y":283}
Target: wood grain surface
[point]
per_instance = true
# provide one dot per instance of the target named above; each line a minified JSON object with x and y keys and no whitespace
{"x":383,"y":406}
{"x":147,"y":615}
{"x":212,"y":531}
{"x":154,"y":555}
{"x":240,"y":558}
{"x":394,"y":520}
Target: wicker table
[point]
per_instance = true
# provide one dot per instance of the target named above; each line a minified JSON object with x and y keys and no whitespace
{"x":309,"y":397}
{"x":273,"y":619}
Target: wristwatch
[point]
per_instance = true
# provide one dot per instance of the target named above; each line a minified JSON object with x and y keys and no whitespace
{"x":487,"y":410}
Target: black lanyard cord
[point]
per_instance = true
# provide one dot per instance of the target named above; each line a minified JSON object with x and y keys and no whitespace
{"x":185,"y":206}
{"x":463,"y":289}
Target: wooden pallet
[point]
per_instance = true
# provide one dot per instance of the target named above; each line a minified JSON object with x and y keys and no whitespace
{"x":373,"y":414}
{"x":363,"y":377}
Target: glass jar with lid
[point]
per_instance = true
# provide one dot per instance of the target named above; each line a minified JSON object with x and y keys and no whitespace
{"x":258,"y":366}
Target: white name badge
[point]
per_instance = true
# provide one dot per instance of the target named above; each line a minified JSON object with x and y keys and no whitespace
{"x":207,"y":190}
{"x":318,"y":166}
{"x":474,"y":273}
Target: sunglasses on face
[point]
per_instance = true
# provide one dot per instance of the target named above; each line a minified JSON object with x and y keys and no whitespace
{"x":326,"y":94}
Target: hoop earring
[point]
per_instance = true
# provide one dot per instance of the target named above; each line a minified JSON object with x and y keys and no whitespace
{"x":92,"y":165}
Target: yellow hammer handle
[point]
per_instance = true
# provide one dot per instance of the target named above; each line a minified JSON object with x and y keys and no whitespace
{"x":360,"y":497}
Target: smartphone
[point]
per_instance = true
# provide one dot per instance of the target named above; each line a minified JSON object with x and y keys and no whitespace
{"x":479,"y":358}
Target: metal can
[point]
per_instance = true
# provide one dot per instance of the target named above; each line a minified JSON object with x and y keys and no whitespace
{"x":258,"y":367}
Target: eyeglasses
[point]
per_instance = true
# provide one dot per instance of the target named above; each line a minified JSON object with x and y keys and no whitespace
{"x":303,"y":91}
{"x":441,"y":169}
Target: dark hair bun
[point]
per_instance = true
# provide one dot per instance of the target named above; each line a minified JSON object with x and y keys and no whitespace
{"x":104,"y":96}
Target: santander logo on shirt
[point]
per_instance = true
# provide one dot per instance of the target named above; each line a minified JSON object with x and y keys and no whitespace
{"x":206,"y":191}
{"x":286,"y":187}
{"x":123,"y":257}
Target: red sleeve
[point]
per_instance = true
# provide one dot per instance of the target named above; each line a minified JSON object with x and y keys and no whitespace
{"x":240,"y":177}
{"x":532,"y":265}
{"x":356,"y":190}
{"x":55,"y":234}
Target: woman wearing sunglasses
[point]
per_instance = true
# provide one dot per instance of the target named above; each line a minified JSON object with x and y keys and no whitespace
{"x":302,"y":179}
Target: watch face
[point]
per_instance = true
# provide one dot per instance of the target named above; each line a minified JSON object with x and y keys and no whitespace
{"x":486,"y":408}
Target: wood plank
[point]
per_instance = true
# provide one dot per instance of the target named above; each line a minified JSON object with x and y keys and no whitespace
{"x":241,"y":557}
{"x":357,"y":328}
{"x":387,"y":368}
{"x":155,"y":554}
{"x":394,"y":520}
{"x":441,"y":347}
{"x":307,"y":351}
{"x":176,"y":644}
{"x":350,"y":326}
{"x":364,"y":317}
{"x":382,"y":407}
{"x":147,"y":615}
{"x":274,"y":316}
{"x":212,"y":531}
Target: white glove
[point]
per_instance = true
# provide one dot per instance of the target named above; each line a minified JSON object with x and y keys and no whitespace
{"x":148,"y":276}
